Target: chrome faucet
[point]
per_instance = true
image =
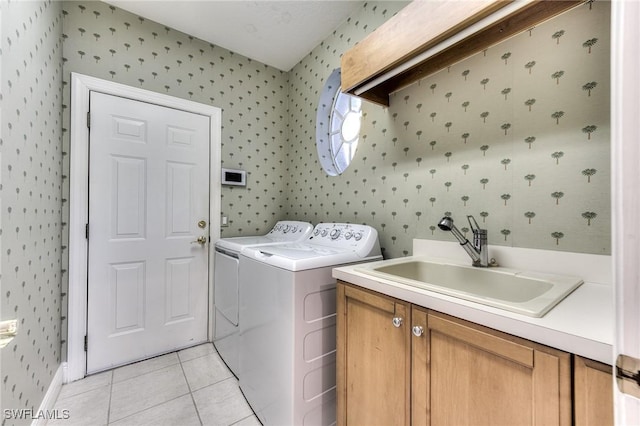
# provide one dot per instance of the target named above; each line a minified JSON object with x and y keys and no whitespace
{"x":479,"y":249}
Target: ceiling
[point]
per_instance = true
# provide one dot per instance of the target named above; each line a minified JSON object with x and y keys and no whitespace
{"x":276,"y":33}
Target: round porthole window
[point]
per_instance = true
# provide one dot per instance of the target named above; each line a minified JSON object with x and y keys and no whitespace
{"x":337,"y":126}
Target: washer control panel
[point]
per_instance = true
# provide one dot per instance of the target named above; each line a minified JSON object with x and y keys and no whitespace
{"x":343,"y":235}
{"x":289,"y":228}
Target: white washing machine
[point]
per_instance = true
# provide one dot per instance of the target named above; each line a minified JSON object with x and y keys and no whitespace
{"x":226,"y":288}
{"x":288,"y":316}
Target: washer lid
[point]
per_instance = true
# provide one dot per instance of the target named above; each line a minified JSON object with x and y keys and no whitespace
{"x":303,"y":251}
{"x":330,"y":244}
{"x":300,"y":257}
{"x":284,"y":231}
{"x":238,"y":243}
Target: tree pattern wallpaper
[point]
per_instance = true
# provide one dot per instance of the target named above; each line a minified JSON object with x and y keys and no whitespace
{"x":104,"y":41}
{"x":516,"y":135}
{"x":31,"y":148}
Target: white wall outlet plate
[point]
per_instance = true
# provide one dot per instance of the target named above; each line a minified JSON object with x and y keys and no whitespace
{"x":8,"y":329}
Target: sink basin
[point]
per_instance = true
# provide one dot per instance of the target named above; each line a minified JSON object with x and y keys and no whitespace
{"x":528,"y":293}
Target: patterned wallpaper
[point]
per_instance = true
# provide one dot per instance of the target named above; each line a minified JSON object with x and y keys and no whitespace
{"x":109,"y":43}
{"x":517,"y":135}
{"x":31,"y":148}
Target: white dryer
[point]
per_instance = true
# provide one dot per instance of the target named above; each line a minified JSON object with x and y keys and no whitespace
{"x":226,"y":289}
{"x":288,"y":316}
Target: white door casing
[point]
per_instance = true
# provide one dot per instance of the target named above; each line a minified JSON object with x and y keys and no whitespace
{"x":625,"y":133}
{"x":148,"y":191}
{"x":81,"y":86}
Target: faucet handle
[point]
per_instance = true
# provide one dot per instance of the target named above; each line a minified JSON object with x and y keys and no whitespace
{"x":475,"y":228}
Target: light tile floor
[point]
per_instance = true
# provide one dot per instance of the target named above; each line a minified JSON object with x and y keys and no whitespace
{"x":188,"y":387}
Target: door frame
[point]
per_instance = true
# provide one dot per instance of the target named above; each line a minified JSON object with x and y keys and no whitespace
{"x":625,"y":183}
{"x":81,"y":86}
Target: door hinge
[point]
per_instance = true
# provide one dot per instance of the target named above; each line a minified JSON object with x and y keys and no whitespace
{"x":86,"y":343}
{"x":628,"y":375}
{"x":86,"y":231}
{"x":88,"y":119}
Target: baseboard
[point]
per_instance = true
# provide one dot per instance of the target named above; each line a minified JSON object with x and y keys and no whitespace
{"x":50,"y":397}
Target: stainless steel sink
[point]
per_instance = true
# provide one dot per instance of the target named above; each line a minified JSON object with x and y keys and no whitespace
{"x":528,"y":293}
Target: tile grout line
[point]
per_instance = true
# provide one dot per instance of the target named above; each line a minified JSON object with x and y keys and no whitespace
{"x":244,"y":418}
{"x":80,"y":393}
{"x":190,"y":391}
{"x":149,"y":408}
{"x":110,"y":395}
{"x":154,"y":372}
{"x":111,"y":386}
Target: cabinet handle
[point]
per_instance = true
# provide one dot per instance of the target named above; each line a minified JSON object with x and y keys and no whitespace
{"x":417,"y":330}
{"x":397,"y":322}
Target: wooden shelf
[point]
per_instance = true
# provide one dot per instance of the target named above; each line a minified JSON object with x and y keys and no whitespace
{"x":421,"y":26}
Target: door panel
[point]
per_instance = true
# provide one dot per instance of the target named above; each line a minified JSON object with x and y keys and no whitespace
{"x":179,"y":182}
{"x":128,"y":197}
{"x":374,"y":358}
{"x":592,"y":393}
{"x":467,"y":368}
{"x":148,"y":189}
{"x":178,"y":279}
{"x":127,"y":284}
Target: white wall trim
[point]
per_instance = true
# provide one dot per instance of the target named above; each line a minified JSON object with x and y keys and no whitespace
{"x":81,"y":86}
{"x":50,"y":398}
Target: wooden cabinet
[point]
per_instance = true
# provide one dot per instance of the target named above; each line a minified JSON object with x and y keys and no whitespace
{"x":466,"y":374}
{"x":373,"y":358}
{"x":427,"y":36}
{"x":439,"y":370}
{"x":593,"y":393}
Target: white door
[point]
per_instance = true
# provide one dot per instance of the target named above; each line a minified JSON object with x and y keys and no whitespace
{"x":626,"y":204}
{"x":148,"y":203}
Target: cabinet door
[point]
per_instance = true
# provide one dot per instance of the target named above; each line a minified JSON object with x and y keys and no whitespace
{"x":466,"y":374}
{"x":373,"y":358}
{"x":593,"y":393}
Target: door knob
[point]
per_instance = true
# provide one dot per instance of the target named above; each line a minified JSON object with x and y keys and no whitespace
{"x":397,"y":322}
{"x":200,"y":240}
{"x":417,"y":330}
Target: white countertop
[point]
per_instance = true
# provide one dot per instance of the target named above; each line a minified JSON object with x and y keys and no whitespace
{"x":582,"y":323}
